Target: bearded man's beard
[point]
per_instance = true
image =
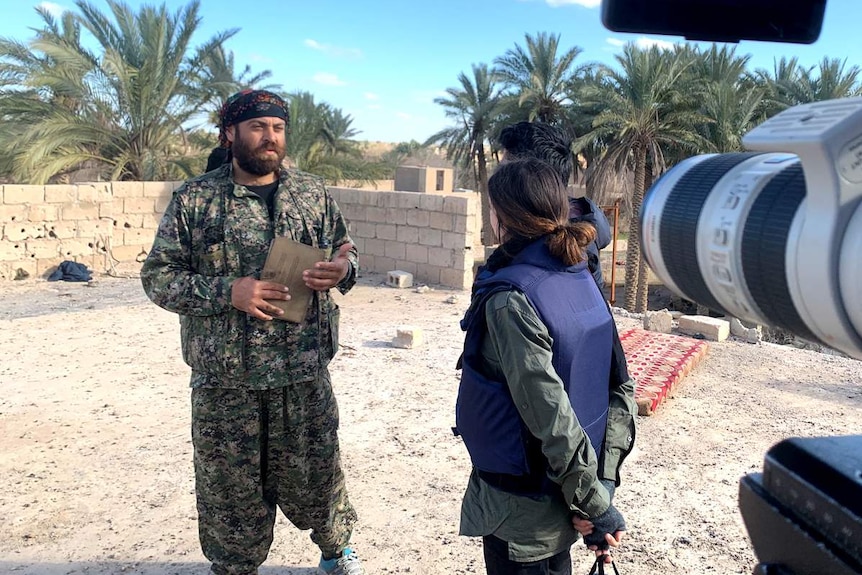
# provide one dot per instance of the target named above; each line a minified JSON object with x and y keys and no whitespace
{"x":257,"y":161}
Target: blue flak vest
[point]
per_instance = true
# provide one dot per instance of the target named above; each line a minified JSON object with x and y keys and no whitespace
{"x":571,"y":306}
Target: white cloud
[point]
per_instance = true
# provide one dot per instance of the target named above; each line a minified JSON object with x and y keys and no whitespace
{"x":334,"y":51}
{"x":371,"y":96}
{"x":584,"y":3}
{"x":260,"y":59}
{"x":328,"y":79}
{"x":403,"y":116}
{"x":615,"y":42}
{"x":374,"y":107}
{"x":645,"y":43}
{"x":54,"y":9}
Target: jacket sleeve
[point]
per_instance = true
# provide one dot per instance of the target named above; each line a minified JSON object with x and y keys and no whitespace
{"x":341,"y":236}
{"x":602,"y":225}
{"x":522,"y":350}
{"x":620,"y":432}
{"x":168,"y":275}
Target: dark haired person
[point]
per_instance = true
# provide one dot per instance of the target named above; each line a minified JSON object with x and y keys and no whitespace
{"x":534,"y":404}
{"x":550,"y":144}
{"x":264,"y":417}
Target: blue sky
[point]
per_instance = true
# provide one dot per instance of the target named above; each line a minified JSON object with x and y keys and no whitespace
{"x":384,"y":61}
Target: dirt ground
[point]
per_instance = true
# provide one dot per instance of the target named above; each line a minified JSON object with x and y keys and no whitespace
{"x":95,"y":452}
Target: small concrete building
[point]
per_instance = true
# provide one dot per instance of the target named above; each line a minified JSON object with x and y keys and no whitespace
{"x":425,"y":179}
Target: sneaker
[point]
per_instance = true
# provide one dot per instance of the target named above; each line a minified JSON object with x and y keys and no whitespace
{"x":347,"y":564}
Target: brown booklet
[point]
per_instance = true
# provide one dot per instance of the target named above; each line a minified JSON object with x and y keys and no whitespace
{"x":285,"y":263}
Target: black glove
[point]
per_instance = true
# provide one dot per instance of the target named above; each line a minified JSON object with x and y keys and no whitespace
{"x":610,"y":521}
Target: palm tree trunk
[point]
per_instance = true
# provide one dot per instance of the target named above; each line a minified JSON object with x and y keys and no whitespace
{"x":643,"y":268}
{"x":633,"y":251}
{"x":487,"y":233}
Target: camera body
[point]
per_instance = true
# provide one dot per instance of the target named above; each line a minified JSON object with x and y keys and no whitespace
{"x":773,"y":236}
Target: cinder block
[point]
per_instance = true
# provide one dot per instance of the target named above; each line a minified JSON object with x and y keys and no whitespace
{"x":43,"y":249}
{"x":407,"y":337}
{"x":429,"y":237}
{"x":395,"y":250}
{"x":428,"y":273}
{"x":139,"y":205}
{"x":375,"y":215}
{"x":23,"y":194}
{"x":399,"y":279}
{"x":79,"y":211}
{"x":431,"y":202}
{"x":709,"y":327}
{"x":396,"y":216}
{"x":127,"y":189}
{"x":13,"y":213}
{"x":62,"y":230}
{"x":12,"y":251}
{"x":17,"y":232}
{"x":95,"y":192}
{"x":157,"y":189}
{"x":441,"y":257}
{"x":660,"y":321}
{"x":458,"y":279}
{"x":42,"y":213}
{"x":454,"y":241}
{"x":418,"y":218}
{"x":386,"y":231}
{"x":375,"y":247}
{"x":61,"y":193}
{"x":442,"y":221}
{"x":418,"y":254}
{"x":455,"y":205}
{"x":408,"y":234}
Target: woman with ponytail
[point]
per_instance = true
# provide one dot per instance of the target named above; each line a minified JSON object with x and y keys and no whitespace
{"x":533,"y":402}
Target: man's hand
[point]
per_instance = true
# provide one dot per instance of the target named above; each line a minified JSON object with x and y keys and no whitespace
{"x":248,"y":294}
{"x":326,"y":275}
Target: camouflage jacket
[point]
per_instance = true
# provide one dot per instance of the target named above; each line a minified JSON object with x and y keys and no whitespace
{"x":215,"y":231}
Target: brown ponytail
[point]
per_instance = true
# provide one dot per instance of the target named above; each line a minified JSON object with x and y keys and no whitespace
{"x":531,"y":201}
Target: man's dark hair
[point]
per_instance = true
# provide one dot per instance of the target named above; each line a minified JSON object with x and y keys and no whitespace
{"x":541,"y":141}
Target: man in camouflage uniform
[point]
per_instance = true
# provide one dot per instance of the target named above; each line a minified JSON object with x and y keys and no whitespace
{"x":264,"y":417}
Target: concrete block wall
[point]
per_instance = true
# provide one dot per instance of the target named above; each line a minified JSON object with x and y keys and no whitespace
{"x":97,"y":224}
{"x":432,"y":236}
{"x":111,"y":223}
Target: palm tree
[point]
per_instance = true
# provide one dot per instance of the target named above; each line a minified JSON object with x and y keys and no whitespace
{"x":647,"y":110}
{"x":538,"y":76}
{"x":131,"y":99}
{"x":726,"y":96}
{"x":473,"y":106}
{"x":218,"y":78}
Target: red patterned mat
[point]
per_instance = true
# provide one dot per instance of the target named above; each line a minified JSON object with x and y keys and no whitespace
{"x":658,"y":362}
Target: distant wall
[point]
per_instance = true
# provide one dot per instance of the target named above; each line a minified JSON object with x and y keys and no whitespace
{"x":110,"y":224}
{"x":97,"y":224}
{"x":431,"y":236}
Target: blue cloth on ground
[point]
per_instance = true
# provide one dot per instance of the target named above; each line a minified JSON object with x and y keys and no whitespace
{"x":71,"y":272}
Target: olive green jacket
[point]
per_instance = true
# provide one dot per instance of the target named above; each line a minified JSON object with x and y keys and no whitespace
{"x":539,"y":527}
{"x":214,"y":232}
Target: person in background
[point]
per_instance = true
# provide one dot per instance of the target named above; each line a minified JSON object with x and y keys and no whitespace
{"x":549,"y":144}
{"x":534,"y":407}
{"x":264,"y":416}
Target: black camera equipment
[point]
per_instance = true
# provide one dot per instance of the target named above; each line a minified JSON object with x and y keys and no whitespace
{"x":804,"y":512}
{"x":796,"y":21}
{"x":772,"y":236}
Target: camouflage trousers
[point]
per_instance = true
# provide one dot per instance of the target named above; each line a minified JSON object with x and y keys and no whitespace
{"x":258,"y":450}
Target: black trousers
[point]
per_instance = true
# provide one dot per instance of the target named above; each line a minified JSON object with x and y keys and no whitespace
{"x":497,"y":561}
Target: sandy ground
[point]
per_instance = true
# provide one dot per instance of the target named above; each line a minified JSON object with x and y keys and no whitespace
{"x":95,"y":454}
